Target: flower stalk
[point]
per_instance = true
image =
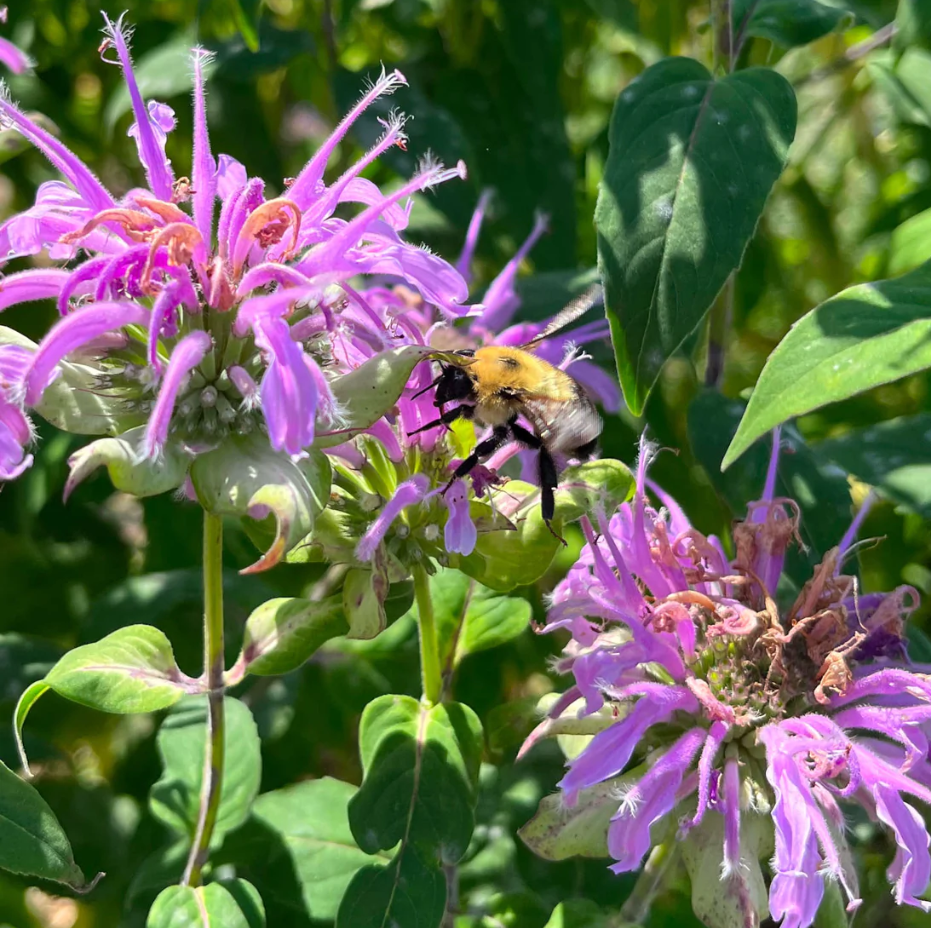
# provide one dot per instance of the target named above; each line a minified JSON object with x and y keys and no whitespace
{"x":429,"y":649}
{"x":214,"y":750}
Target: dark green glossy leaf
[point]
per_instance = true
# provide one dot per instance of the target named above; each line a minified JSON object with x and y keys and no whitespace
{"x":691,"y":163}
{"x":785,"y":22}
{"x":910,"y":245}
{"x":894,"y":456}
{"x":31,"y":840}
{"x":409,"y":893}
{"x":865,"y":336}
{"x":233,"y":904}
{"x":174,"y":798}
{"x":421,"y":767}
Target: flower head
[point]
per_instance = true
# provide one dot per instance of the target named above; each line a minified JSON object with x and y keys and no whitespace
{"x":745,"y":713}
{"x":198,"y":313}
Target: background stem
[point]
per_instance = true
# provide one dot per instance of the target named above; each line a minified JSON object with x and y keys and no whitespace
{"x":429,"y":650}
{"x":213,"y":674}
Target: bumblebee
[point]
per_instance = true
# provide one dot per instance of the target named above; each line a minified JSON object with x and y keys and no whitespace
{"x":498,"y":385}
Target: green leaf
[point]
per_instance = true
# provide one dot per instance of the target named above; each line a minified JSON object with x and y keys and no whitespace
{"x":233,"y":904}
{"x":362,"y":605}
{"x":301,"y":833}
{"x":131,"y":670}
{"x":742,"y":898}
{"x":785,"y":22}
{"x":25,"y":702}
{"x":471,"y":617}
{"x":903,"y":80}
{"x":894,"y":456}
{"x":129,"y":471}
{"x":910,"y":245}
{"x":691,"y":163}
{"x":74,"y":402}
{"x":557,"y":833}
{"x":282,"y":633}
{"x":174,"y":799}
{"x":162,"y":73}
{"x":504,"y":560}
{"x":369,"y":391}
{"x":865,"y":336}
{"x":245,"y":477}
{"x":913,"y":25}
{"x":408,"y":893}
{"x":421,"y":767}
{"x":31,"y":840}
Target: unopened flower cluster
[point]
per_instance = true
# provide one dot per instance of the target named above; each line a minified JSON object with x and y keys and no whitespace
{"x":749,"y":726}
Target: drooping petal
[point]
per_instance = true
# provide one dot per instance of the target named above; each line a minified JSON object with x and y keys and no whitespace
{"x":37,"y":284}
{"x":71,"y":333}
{"x":288,"y":391}
{"x":188,"y":353}
{"x":910,"y":870}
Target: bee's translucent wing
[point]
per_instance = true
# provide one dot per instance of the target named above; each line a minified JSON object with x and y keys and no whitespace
{"x":565,"y":427}
{"x":576,"y":307}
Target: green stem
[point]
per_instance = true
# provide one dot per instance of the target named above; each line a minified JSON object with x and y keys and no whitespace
{"x":429,"y":650}
{"x":213,"y":675}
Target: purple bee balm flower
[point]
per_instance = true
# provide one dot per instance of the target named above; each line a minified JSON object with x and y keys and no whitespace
{"x":202,"y":308}
{"x":753,"y":718}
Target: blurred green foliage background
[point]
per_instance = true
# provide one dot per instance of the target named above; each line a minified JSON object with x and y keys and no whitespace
{"x":521,"y":90}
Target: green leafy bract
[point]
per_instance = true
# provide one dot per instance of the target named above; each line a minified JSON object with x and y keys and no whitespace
{"x":865,"y":336}
{"x":283,"y":633}
{"x":245,"y":477}
{"x":691,"y":163}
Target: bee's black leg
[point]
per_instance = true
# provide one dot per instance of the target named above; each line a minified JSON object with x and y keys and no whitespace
{"x":482,"y":450}
{"x":451,"y":415}
{"x":549,"y":479}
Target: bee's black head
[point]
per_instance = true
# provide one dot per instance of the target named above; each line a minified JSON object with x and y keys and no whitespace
{"x":454,"y":384}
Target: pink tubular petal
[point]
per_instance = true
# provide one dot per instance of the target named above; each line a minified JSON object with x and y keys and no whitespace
{"x":204,"y":168}
{"x":13,"y":57}
{"x":731,"y":805}
{"x":500,"y":300}
{"x":910,"y":871}
{"x":269,"y":272}
{"x":151,"y":153}
{"x":39,"y":284}
{"x":188,"y":353}
{"x":269,"y":306}
{"x":464,"y":264}
{"x":460,"y":534}
{"x":716,"y":735}
{"x":408,"y":493}
{"x":72,"y":332}
{"x":15,"y":434}
{"x":288,"y":390}
{"x":307,"y":184}
{"x":93,"y":193}
{"x":162,"y":308}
